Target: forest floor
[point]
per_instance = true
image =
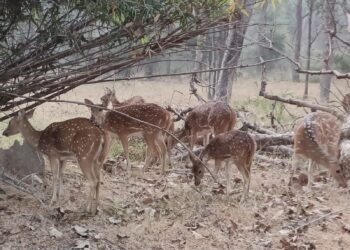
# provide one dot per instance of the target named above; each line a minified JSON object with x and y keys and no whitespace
{"x":155,"y":211}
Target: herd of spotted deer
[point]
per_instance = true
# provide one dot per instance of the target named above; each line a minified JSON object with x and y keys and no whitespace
{"x":88,"y":141}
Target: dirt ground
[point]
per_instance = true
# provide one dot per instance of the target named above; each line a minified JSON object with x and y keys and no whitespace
{"x":155,"y":211}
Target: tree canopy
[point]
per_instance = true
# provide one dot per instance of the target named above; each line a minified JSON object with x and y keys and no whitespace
{"x":50,"y":47}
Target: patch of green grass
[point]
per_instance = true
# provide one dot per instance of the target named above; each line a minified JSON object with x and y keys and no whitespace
{"x":260,"y":109}
{"x":137,"y":149}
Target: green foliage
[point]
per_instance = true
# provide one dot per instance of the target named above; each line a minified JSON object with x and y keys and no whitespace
{"x":136,"y":149}
{"x":342,"y":62}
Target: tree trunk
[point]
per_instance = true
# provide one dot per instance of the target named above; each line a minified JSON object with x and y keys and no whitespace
{"x":199,"y":55}
{"x":234,"y":41}
{"x":261,"y":30}
{"x":299,"y":28}
{"x":329,"y":26}
{"x":309,"y":44}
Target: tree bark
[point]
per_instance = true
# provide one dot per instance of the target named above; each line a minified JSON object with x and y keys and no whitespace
{"x":309,"y":45}
{"x":234,"y":42}
{"x":329,"y":27}
{"x":299,"y":28}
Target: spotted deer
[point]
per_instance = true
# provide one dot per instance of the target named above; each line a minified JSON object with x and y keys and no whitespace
{"x":77,"y":138}
{"x":317,"y":138}
{"x":233,"y":146}
{"x":123,"y":127}
{"x":110,"y":97}
{"x":210,"y":117}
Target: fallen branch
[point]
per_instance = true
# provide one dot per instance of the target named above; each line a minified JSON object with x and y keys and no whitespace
{"x":181,"y":115}
{"x":281,"y":150}
{"x":298,"y":102}
{"x":193,"y":89}
{"x":19,"y":185}
{"x":317,"y":219}
{"x":270,"y":160}
{"x":263,"y":140}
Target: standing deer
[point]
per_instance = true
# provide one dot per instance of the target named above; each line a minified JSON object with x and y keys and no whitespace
{"x":110,"y":97}
{"x":122,"y":126}
{"x":77,"y":138}
{"x":317,"y":138}
{"x":233,"y":146}
{"x":214,"y":117}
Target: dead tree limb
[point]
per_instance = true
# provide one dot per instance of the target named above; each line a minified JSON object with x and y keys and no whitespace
{"x":299,"y":103}
{"x":193,"y":89}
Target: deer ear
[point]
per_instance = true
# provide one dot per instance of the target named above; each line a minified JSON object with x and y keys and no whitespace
{"x":21,"y":113}
{"x":191,"y":157}
{"x":30,"y":114}
{"x":88,"y":102}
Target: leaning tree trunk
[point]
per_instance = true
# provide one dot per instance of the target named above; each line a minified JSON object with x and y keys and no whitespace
{"x":299,"y":28}
{"x":309,"y":44}
{"x":234,"y":41}
{"x":329,"y":28}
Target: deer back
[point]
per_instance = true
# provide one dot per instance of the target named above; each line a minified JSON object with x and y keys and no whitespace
{"x":318,"y":133}
{"x":235,"y":144}
{"x":149,"y":112}
{"x":317,"y":138}
{"x":216,"y":115}
{"x":78,"y":136}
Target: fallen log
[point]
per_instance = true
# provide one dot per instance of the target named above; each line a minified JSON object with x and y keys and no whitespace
{"x":281,"y":150}
{"x":264,"y":140}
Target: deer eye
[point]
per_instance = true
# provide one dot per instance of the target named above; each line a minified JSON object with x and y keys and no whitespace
{"x":338,"y":171}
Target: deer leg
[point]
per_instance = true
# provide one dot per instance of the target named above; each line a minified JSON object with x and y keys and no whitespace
{"x":87,"y":167}
{"x":217,"y":167}
{"x":125,"y":144}
{"x":295,"y":161}
{"x":54,"y":162}
{"x":151,"y":148}
{"x":227,"y":178}
{"x":161,"y":148}
{"x":245,"y":171}
{"x":193,"y":139}
{"x":309,"y":171}
{"x":60,"y":177}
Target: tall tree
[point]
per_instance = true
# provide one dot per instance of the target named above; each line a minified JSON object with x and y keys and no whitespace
{"x":329,"y":28}
{"x":299,"y":28}
{"x":309,"y":44}
{"x":234,"y":43}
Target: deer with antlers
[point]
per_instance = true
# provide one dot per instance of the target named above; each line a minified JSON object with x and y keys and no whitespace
{"x":210,"y":117}
{"x":77,"y":138}
{"x":317,"y":138}
{"x":110,"y":97}
{"x":233,"y":146}
{"x":123,"y":126}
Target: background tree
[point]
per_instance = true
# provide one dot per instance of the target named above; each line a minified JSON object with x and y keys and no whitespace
{"x":298,"y":34}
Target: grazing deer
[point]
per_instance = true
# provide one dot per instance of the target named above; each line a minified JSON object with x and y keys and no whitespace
{"x":214,"y":117}
{"x":122,"y":126}
{"x":235,"y":146}
{"x":77,"y":138}
{"x":317,"y":138}
{"x":110,"y":97}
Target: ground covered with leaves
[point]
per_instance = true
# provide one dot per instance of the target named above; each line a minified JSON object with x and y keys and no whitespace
{"x":153,"y":211}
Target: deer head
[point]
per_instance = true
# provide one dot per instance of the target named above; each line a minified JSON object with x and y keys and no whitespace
{"x":17,"y":122}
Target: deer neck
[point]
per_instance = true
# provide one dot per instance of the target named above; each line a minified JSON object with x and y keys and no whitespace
{"x":31,"y":135}
{"x":115,"y":102}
